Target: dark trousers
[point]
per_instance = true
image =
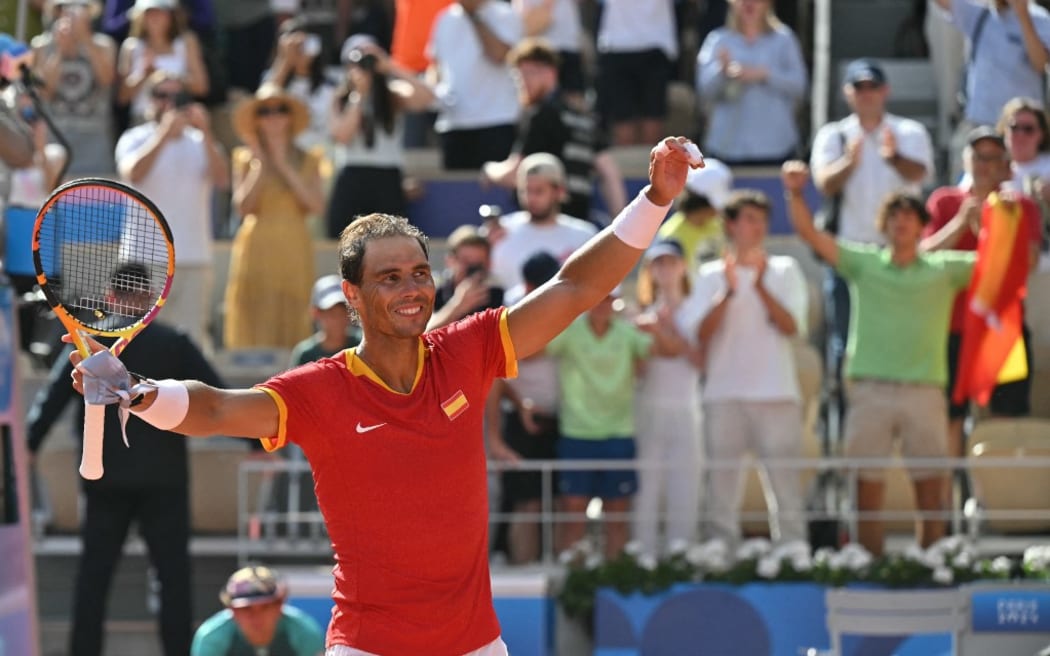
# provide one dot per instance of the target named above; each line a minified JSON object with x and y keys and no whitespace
{"x":469,"y":149}
{"x":163,"y":519}
{"x":836,"y":334}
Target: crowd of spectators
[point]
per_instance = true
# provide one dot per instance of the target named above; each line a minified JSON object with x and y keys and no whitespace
{"x":324,"y":99}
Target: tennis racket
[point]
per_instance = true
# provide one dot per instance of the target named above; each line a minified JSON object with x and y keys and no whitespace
{"x":104,"y":259}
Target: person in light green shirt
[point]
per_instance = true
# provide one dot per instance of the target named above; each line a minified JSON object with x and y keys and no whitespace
{"x":598,"y":357}
{"x":697,"y":222}
{"x":901,"y":300}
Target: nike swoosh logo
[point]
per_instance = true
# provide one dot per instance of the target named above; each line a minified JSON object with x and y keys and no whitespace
{"x":365,"y":429}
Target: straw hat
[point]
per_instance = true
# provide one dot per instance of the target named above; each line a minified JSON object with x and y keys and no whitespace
{"x":244,"y":115}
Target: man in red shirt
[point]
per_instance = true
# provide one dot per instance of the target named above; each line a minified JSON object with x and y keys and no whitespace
{"x":955,"y":221}
{"x":393,"y":428}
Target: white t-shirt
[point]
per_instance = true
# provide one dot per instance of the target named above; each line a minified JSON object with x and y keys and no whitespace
{"x":473,"y":92}
{"x":564,"y":31}
{"x":670,"y":380}
{"x":538,"y":380}
{"x":524,"y":239}
{"x":633,"y":25}
{"x":179,"y":185}
{"x":873,"y":178}
{"x":748,"y":359}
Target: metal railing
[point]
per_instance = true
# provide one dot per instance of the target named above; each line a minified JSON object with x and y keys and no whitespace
{"x":272,"y":522}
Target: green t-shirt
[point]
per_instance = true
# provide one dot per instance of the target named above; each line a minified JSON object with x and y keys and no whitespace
{"x":701,"y":243}
{"x":597,"y":378}
{"x":297,"y":635}
{"x":898,"y":327}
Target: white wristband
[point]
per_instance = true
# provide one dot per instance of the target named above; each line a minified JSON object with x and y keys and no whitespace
{"x":636,"y":224}
{"x":169,"y":406}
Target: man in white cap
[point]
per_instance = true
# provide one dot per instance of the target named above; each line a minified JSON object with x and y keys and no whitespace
{"x":540,"y":225}
{"x":697,"y":223}
{"x":257,"y":621}
{"x":335,"y":331}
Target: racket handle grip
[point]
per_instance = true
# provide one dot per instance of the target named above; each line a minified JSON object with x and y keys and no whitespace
{"x":91,"y":459}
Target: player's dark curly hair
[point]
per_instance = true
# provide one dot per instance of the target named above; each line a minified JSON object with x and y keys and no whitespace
{"x":355,"y":237}
{"x":897,"y":201}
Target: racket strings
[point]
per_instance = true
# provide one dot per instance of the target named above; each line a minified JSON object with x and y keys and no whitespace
{"x":105,"y":256}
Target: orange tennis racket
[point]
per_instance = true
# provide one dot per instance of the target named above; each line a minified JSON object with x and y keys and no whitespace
{"x":104,"y":259}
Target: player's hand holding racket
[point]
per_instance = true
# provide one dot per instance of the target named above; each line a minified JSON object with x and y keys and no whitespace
{"x":104,"y":258}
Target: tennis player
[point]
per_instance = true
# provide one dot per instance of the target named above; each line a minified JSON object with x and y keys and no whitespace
{"x":393,"y":428}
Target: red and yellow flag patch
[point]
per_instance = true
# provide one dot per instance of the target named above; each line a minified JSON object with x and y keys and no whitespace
{"x":456,"y":405}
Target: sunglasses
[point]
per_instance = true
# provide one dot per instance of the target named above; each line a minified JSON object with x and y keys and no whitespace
{"x":1024,"y":128}
{"x":866,"y":86}
{"x":272,"y":110}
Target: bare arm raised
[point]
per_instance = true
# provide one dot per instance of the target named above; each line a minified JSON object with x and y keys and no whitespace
{"x":599,"y":265}
{"x":794,"y":176}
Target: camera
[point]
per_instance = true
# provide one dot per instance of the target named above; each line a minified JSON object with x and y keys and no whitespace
{"x":182,"y":99}
{"x":365,"y":60}
{"x":475,"y":270}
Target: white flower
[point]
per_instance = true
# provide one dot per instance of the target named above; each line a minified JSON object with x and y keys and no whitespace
{"x":943,"y":575}
{"x":633,"y":548}
{"x":753,"y":548}
{"x":718,"y":565}
{"x":801,"y":562}
{"x":1037,"y":557}
{"x":1001,"y":565}
{"x":934,"y":559}
{"x":647,"y":561}
{"x":855,"y":557}
{"x":789,"y":550}
{"x":594,"y":561}
{"x":823,"y":556}
{"x":696,"y":555}
{"x":566,"y":557}
{"x":914,"y":553}
{"x":768,"y":567}
{"x":963,"y":560}
{"x":677,"y":547}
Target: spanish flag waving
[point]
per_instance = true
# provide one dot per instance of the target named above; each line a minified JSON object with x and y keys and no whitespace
{"x":992,"y":349}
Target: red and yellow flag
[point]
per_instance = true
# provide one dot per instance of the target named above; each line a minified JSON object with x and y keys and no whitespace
{"x":992,"y":349}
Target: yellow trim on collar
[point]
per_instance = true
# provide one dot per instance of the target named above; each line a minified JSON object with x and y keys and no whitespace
{"x":359,"y":367}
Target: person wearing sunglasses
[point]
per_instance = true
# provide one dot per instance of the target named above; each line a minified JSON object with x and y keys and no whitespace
{"x":257,"y":620}
{"x":955,"y":223}
{"x":175,"y":160}
{"x":276,"y":187}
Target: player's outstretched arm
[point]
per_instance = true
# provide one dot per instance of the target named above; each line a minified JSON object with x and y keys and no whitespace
{"x":602,"y":263}
{"x":193,"y":408}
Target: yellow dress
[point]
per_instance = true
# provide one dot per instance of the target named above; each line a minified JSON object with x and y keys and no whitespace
{"x":271,"y":267}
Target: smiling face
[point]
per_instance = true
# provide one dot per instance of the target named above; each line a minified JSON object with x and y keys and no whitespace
{"x":396,"y":294}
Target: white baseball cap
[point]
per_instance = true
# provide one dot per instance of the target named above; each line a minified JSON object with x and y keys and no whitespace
{"x":714,"y":182}
{"x":327,"y":292}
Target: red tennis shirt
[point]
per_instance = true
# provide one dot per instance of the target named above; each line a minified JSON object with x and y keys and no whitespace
{"x":401,"y":482}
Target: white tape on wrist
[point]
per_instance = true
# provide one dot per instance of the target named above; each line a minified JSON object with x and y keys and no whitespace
{"x":169,"y":406}
{"x":636,"y":224}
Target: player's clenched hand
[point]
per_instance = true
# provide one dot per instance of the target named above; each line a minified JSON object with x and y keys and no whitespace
{"x":76,"y":358}
{"x":669,"y":163}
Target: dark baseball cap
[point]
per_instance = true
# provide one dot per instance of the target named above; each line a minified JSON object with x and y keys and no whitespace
{"x":985,"y":132}
{"x":865,"y":70}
